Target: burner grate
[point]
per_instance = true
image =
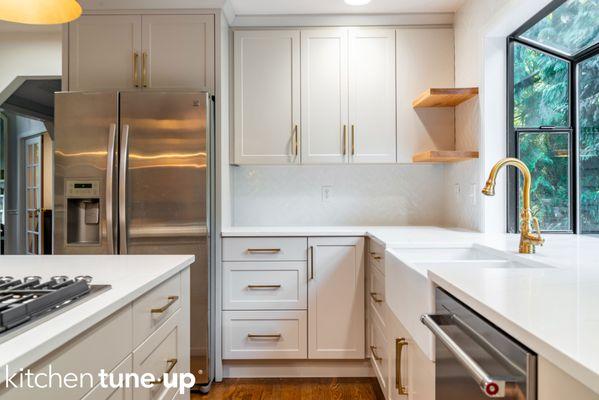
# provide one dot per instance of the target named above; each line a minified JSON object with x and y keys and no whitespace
{"x":22,"y":300}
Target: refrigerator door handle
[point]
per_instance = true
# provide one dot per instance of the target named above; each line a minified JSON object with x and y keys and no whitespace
{"x":124,"y":155}
{"x":109,"y":187}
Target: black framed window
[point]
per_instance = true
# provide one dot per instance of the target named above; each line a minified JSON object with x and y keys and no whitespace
{"x":553,"y":116}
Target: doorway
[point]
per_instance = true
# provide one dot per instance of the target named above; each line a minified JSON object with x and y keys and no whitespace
{"x":33,"y":194}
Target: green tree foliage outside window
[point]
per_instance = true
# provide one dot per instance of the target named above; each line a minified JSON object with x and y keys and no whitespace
{"x":541,"y":98}
{"x":588,"y":121}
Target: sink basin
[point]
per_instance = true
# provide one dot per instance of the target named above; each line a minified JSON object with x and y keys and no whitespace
{"x":409,"y":293}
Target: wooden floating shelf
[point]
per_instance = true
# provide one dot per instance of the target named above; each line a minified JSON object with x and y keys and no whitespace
{"x":444,"y":97}
{"x":444,"y":156}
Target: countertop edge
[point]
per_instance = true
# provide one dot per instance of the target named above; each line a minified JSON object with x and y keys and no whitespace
{"x":78,"y":327}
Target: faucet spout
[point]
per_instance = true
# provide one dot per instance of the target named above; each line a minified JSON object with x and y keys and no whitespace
{"x":528,"y":238}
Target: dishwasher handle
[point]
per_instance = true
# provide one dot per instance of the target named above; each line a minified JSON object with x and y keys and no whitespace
{"x":490,"y":386}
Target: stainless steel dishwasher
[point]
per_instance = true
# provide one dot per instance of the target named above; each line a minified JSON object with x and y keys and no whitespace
{"x":475,"y":359}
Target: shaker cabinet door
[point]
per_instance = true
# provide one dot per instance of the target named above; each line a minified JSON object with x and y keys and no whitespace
{"x":336,"y":298}
{"x":324,"y":96}
{"x":105,"y":52}
{"x":267,"y":97}
{"x":372,"y":95}
{"x":178,"y":51}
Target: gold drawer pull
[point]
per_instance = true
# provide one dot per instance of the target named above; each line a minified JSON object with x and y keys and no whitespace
{"x":276,"y":336}
{"x":264,"y":286}
{"x":399,"y":345}
{"x":373,"y":254}
{"x":375,"y":297}
{"x":171,"y":301}
{"x":373,"y":351}
{"x":170,"y":365}
{"x":263,"y":251}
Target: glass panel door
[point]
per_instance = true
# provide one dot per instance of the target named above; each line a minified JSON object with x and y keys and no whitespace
{"x":33,"y":184}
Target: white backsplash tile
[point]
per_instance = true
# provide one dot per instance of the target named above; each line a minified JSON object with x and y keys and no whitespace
{"x":359,"y":195}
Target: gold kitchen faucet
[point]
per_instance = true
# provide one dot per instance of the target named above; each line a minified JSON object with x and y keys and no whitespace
{"x":528,"y":238}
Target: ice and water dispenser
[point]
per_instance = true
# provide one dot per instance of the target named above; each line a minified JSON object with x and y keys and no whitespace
{"x":83,"y":212}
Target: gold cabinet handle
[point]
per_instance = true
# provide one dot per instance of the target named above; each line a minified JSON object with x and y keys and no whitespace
{"x":375,"y":256}
{"x":136,"y":68}
{"x":263,"y":251}
{"x":295,"y":141}
{"x":353,"y":140}
{"x":400,"y":343}
{"x":170,"y":365}
{"x":144,"y":69}
{"x":171,"y":300}
{"x":344,"y":139}
{"x":276,"y":336}
{"x":311,"y":262}
{"x":264,"y":286}
{"x":374,"y":355}
{"x":375,"y":297}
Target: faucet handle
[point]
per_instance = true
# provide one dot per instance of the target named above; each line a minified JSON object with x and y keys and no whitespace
{"x":537,"y":229}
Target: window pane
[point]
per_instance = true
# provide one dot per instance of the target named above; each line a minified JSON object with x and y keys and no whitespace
{"x":547,"y":155}
{"x":588,"y":117}
{"x":572,"y":27}
{"x":540,"y":89}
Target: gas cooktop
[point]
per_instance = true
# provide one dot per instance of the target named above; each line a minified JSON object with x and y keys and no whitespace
{"x":23,"y":301}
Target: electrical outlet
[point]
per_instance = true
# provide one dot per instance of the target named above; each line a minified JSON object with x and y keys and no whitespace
{"x":327,"y":193}
{"x":456,"y":191}
{"x":473,"y":193}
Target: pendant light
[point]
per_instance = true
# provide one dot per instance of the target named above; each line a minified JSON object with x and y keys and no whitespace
{"x":39,"y":12}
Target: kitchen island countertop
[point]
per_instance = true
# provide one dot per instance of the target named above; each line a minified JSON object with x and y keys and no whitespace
{"x":130,"y":276}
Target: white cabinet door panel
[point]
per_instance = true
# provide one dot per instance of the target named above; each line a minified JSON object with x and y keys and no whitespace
{"x":267,"y":97}
{"x":425,"y":59}
{"x":179,"y":50}
{"x":101,"y":52}
{"x":336,"y":298}
{"x":324,"y":96}
{"x":372,"y":95}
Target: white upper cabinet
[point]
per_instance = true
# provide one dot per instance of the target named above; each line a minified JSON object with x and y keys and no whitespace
{"x":267,"y":97}
{"x":141,"y":51}
{"x":372,"y":95}
{"x":336,"y":298}
{"x":324,"y":96}
{"x":179,"y":51}
{"x":425,"y":59}
{"x":104,"y":51}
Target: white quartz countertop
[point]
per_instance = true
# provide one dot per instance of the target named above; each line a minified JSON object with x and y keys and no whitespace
{"x":130,"y":276}
{"x":553,"y":311}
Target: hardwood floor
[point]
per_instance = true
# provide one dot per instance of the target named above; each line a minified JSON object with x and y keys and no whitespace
{"x":292,"y":389}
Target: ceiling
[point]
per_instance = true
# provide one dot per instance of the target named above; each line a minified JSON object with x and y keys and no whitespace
{"x":249,"y":7}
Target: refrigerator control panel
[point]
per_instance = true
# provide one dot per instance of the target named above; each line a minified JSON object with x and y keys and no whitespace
{"x":83,"y":189}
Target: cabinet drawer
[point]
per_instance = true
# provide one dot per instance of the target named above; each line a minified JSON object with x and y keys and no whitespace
{"x":378,"y":352}
{"x":265,"y":249}
{"x":264,"y":335}
{"x":85,"y":354}
{"x":160,"y":353}
{"x":376,"y":294}
{"x":376,"y":256}
{"x":108,"y":393}
{"x":264,"y":285}
{"x":153,"y":308}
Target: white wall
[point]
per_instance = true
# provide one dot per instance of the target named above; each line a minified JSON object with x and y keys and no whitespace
{"x":360,"y":195}
{"x":481,"y":28}
{"x":29,"y":53}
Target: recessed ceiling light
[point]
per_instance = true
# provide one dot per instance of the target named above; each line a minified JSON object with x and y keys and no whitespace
{"x":357,"y":2}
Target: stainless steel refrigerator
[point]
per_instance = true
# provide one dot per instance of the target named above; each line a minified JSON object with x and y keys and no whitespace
{"x":133,"y":176}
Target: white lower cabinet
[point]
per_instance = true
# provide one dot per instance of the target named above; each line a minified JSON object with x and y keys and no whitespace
{"x":336,"y":298}
{"x":264,"y":335}
{"x":293,"y":298}
{"x":403,"y":370}
{"x":110,"y":346}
